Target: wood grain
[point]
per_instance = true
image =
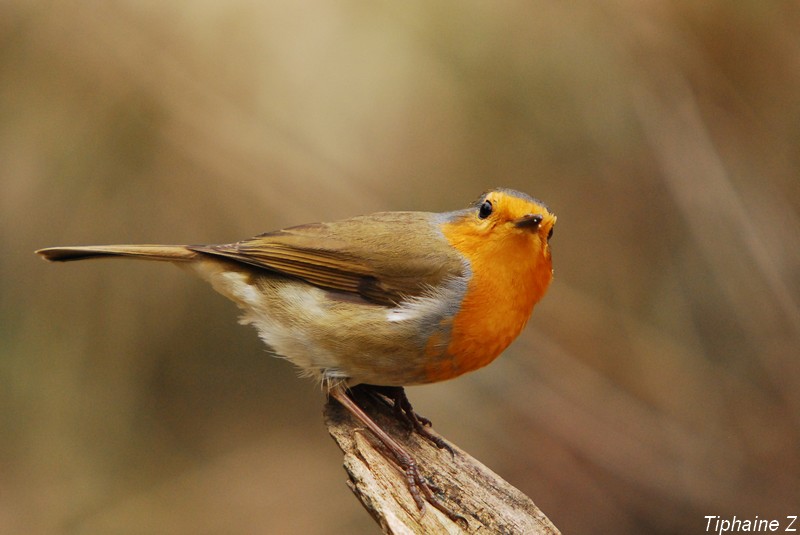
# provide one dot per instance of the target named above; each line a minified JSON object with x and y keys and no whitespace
{"x":466,"y":487}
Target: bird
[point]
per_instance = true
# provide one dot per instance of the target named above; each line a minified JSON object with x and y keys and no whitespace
{"x":380,"y":301}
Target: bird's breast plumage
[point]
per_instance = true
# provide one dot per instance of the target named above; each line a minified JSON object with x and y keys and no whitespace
{"x":507,"y":278}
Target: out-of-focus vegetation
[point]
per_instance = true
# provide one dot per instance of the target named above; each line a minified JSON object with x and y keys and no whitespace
{"x":658,"y":382}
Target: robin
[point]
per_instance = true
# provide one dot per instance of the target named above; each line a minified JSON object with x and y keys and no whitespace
{"x":384,"y":300}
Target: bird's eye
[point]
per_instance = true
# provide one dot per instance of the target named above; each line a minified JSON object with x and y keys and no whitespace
{"x":550,"y":234}
{"x":485,"y":210}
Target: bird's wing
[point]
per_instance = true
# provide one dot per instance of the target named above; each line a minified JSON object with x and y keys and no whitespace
{"x":382,"y":258}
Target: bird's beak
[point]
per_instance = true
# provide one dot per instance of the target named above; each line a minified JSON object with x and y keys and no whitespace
{"x":529,"y":221}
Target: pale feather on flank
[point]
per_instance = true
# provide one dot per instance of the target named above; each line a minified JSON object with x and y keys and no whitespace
{"x":432,"y":302}
{"x":415,"y":308}
{"x":230,"y":282}
{"x":311,"y":300}
{"x":238,"y":286}
{"x":401,"y":313}
{"x":279,"y":332}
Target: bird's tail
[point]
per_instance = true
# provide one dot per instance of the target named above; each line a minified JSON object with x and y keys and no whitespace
{"x":168,"y":253}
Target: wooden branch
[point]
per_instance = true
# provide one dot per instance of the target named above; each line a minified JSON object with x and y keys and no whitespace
{"x":488,"y":503}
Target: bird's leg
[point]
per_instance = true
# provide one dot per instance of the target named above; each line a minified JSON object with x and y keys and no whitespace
{"x":402,"y":407}
{"x":414,"y":479}
{"x":405,"y":413}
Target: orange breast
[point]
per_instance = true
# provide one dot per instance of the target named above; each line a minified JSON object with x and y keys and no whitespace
{"x":510,"y":273}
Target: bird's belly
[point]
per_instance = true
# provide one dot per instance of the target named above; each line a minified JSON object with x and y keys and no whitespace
{"x":335,"y":339}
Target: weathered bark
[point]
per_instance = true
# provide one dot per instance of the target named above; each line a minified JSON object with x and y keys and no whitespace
{"x":466,"y":487}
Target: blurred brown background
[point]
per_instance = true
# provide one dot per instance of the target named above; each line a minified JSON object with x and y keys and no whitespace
{"x":659,"y":380}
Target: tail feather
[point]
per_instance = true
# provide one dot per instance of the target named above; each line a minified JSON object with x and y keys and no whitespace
{"x":170,"y":253}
